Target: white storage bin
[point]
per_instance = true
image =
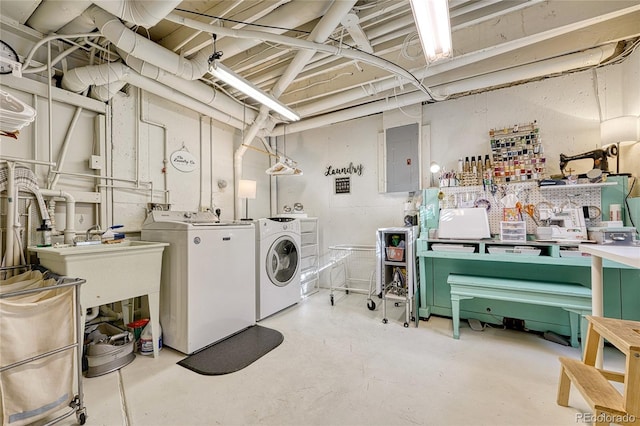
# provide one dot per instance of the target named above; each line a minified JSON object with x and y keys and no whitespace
{"x":513,"y":231}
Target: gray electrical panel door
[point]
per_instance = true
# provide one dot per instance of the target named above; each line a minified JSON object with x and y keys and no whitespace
{"x":403,"y":163}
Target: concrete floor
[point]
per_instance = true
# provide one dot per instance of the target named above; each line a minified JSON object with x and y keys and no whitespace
{"x":339,"y":365}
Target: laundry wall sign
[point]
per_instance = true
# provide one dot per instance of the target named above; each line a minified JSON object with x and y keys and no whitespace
{"x":351,"y":169}
{"x":183,"y":160}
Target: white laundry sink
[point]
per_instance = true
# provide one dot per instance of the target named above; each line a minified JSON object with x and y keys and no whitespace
{"x":113,"y":272}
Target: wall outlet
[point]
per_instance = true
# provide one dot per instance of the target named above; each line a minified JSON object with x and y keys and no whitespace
{"x":95,"y":162}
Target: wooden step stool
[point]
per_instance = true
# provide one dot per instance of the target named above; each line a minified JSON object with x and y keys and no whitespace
{"x":607,"y":403}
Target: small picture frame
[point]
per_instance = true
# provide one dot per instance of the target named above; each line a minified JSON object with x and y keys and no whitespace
{"x":343,"y":185}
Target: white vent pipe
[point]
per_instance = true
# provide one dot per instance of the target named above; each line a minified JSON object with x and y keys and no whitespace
{"x":140,"y":47}
{"x":195,"y":89}
{"x":78,"y":79}
{"x":51,"y":15}
{"x":69,"y":229}
{"x":583,"y":59}
{"x":154,"y":61}
{"x":327,"y":24}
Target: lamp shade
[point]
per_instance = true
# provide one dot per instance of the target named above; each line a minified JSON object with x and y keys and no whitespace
{"x":620,"y":129}
{"x":247,"y":189}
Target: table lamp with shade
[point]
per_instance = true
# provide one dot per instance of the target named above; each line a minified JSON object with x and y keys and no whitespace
{"x":620,"y":130}
{"x":247,"y":190}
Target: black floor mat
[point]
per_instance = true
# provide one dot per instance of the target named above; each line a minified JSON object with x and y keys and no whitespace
{"x":235,"y":352}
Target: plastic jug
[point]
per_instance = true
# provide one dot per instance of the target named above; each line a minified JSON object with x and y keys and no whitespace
{"x":145,"y":344}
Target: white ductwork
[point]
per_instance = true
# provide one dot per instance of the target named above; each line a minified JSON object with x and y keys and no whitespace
{"x":52,"y":15}
{"x":195,"y":89}
{"x":69,"y":230}
{"x":140,"y":47}
{"x":587,"y":58}
{"x":79,"y":79}
{"x":143,"y":13}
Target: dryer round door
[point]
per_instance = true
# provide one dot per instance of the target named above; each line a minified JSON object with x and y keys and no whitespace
{"x":282,"y":261}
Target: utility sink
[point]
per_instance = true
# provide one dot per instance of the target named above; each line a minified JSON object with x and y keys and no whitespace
{"x":113,"y":272}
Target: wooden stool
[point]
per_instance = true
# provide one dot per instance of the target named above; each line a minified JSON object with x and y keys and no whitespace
{"x":607,"y":403}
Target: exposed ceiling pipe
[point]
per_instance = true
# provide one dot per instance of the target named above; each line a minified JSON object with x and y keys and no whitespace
{"x":319,"y":34}
{"x":195,"y":89}
{"x":154,"y":61}
{"x":587,"y":58}
{"x":584,"y":59}
{"x":143,"y":13}
{"x":140,"y":47}
{"x":302,"y":44}
{"x":52,"y":15}
{"x":79,"y":79}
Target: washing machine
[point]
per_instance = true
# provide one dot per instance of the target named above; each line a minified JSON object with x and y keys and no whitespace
{"x":277,"y":265}
{"x":208,"y":281}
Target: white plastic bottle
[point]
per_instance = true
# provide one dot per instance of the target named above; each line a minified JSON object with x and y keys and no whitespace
{"x":145,"y":344}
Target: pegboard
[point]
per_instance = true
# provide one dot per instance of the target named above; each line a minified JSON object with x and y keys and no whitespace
{"x":527,"y":193}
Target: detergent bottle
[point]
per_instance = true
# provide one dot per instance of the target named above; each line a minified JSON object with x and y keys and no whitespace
{"x":145,"y":344}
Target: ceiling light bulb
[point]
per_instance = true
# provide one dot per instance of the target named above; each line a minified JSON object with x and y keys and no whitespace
{"x":225,"y":74}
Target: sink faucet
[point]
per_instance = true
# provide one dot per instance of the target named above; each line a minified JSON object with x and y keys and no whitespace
{"x":87,"y":236}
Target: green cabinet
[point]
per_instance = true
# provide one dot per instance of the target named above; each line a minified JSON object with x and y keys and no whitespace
{"x":621,"y":287}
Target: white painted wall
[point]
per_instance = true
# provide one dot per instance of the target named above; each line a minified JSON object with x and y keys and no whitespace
{"x":568,"y":109}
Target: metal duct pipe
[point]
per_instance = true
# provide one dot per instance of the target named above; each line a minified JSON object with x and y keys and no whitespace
{"x":140,"y":47}
{"x":69,"y":230}
{"x":139,"y":12}
{"x":195,"y":89}
{"x":51,"y":15}
{"x":78,"y":79}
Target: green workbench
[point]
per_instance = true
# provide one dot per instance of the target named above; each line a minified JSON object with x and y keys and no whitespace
{"x":621,"y":283}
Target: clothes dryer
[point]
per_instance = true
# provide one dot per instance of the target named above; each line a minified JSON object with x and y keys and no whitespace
{"x":277,"y":265}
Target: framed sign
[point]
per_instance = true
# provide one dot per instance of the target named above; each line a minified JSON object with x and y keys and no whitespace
{"x":183,"y":161}
{"x":343,"y":185}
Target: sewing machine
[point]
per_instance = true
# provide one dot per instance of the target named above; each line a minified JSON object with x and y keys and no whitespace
{"x":599,"y":157}
{"x":567,"y":224}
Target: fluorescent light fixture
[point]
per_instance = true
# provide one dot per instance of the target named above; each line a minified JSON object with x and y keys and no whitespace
{"x":225,"y":74}
{"x":434,"y":28}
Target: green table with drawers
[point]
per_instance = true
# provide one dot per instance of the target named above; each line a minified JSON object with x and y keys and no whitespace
{"x":621,"y":283}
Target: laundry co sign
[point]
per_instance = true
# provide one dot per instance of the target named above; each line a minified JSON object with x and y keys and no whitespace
{"x":351,"y":169}
{"x":183,"y":161}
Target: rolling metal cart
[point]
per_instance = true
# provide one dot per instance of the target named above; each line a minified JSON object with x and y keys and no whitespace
{"x":41,"y":353}
{"x":351,"y":267}
{"x":397,"y":270}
